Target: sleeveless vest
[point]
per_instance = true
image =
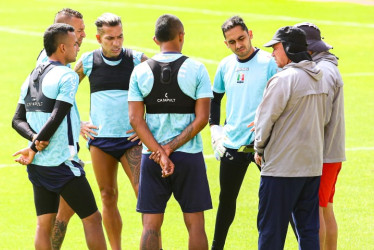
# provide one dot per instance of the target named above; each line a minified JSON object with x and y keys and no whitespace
{"x":107,"y":77}
{"x":166,"y":96}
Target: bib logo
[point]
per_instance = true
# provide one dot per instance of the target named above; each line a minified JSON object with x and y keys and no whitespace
{"x":34,"y":103}
{"x":240,"y":78}
{"x":166,"y":99}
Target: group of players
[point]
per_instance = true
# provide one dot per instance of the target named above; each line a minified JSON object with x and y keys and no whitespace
{"x":164,"y":102}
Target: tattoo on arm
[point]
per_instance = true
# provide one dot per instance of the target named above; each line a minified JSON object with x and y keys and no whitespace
{"x":79,"y":70}
{"x":150,"y":240}
{"x":58,"y":234}
{"x":133,"y":156}
{"x":181,"y":139}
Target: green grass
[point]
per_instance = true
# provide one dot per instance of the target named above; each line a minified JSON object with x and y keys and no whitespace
{"x":348,"y":27}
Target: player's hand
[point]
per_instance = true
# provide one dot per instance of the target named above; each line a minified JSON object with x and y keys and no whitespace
{"x":252,"y":124}
{"x":27,"y":155}
{"x":87,"y":130}
{"x":167,"y":165}
{"x":258,"y":159}
{"x":155,"y":156}
{"x":133,"y":137}
{"x":41,"y":145}
{"x":218,"y":137}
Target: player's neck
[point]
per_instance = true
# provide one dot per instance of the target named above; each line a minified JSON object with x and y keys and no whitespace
{"x":56,"y":58}
{"x":171,"y":46}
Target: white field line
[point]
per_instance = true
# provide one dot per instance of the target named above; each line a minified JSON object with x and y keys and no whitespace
{"x":93,"y":41}
{"x":226,"y":14}
{"x":151,"y":51}
{"x":206,"y":156}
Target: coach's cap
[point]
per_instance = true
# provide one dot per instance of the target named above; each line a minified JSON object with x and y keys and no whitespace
{"x":313,"y":37}
{"x":294,"y":43}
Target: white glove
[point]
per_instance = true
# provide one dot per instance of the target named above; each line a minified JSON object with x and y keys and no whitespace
{"x":218,"y":137}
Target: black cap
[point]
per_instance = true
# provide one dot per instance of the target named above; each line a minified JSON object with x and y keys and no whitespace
{"x":294,"y":43}
{"x":313,"y":37}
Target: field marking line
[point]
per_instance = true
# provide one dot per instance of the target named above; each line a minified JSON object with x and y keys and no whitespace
{"x":153,"y":51}
{"x":266,"y":17}
{"x":206,"y":156}
{"x":93,"y":41}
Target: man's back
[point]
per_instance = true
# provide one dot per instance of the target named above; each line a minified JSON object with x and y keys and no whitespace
{"x":296,"y":141}
{"x":334,"y":146}
{"x":194,"y":82}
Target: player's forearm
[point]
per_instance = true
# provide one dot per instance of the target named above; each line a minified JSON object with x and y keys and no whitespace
{"x":201,"y":120}
{"x":19,"y":123}
{"x":60,"y":110}
{"x":215,"y":108}
{"x":145,"y":135}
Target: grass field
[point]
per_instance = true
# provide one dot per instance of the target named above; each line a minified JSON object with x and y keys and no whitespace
{"x":348,"y":27}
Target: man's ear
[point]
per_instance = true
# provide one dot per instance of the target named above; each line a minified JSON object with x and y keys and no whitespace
{"x":227,"y":44}
{"x":62,"y":48}
{"x":250,"y":34}
{"x":156,"y":41}
{"x":98,"y":38}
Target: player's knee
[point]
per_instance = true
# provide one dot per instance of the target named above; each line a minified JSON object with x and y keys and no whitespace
{"x":93,"y":219}
{"x":109,"y":196}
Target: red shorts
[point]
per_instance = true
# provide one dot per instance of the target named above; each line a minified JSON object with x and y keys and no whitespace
{"x":329,"y":176}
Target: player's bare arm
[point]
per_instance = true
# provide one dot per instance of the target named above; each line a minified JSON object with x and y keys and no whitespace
{"x":79,"y":70}
{"x":144,"y":58}
{"x":202,"y":109}
{"x":136,"y":115}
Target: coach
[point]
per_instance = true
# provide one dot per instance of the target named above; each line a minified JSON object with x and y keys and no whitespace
{"x":289,"y":144}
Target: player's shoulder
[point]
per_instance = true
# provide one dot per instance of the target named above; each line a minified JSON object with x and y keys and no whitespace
{"x":264,"y":56}
{"x":86,"y":55}
{"x":228,"y":59}
{"x":62,"y":72}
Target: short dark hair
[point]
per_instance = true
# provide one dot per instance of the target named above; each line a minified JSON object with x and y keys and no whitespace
{"x":53,"y":36}
{"x":65,"y":14}
{"x":233,"y":22}
{"x":107,"y":19}
{"x":167,"y":27}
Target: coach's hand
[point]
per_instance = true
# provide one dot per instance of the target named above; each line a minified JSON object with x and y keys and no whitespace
{"x":133,"y":137}
{"x":258,"y":159}
{"x":27,"y":155}
{"x":87,"y":130}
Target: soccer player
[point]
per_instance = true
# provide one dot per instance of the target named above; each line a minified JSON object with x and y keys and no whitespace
{"x":45,"y":108}
{"x":334,"y":140}
{"x":289,"y":143}
{"x":108,"y":70}
{"x":173,"y":91}
{"x":75,"y":19}
{"x":242,"y":76}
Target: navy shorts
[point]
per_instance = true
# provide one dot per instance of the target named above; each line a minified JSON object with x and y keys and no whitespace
{"x":51,"y":182}
{"x":188,"y":184}
{"x":115,"y":147}
{"x":54,"y":178}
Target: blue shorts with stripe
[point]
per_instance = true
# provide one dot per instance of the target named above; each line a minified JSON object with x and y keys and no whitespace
{"x":115,"y":147}
{"x":188,"y":184}
{"x":54,"y":178}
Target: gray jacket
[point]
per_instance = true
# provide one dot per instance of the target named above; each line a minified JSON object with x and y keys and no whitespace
{"x":334,"y":147}
{"x":290,"y":120}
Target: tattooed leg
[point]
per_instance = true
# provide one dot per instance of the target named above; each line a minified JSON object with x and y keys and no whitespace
{"x":151,"y":231}
{"x":58,"y":234}
{"x":131,"y":164}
